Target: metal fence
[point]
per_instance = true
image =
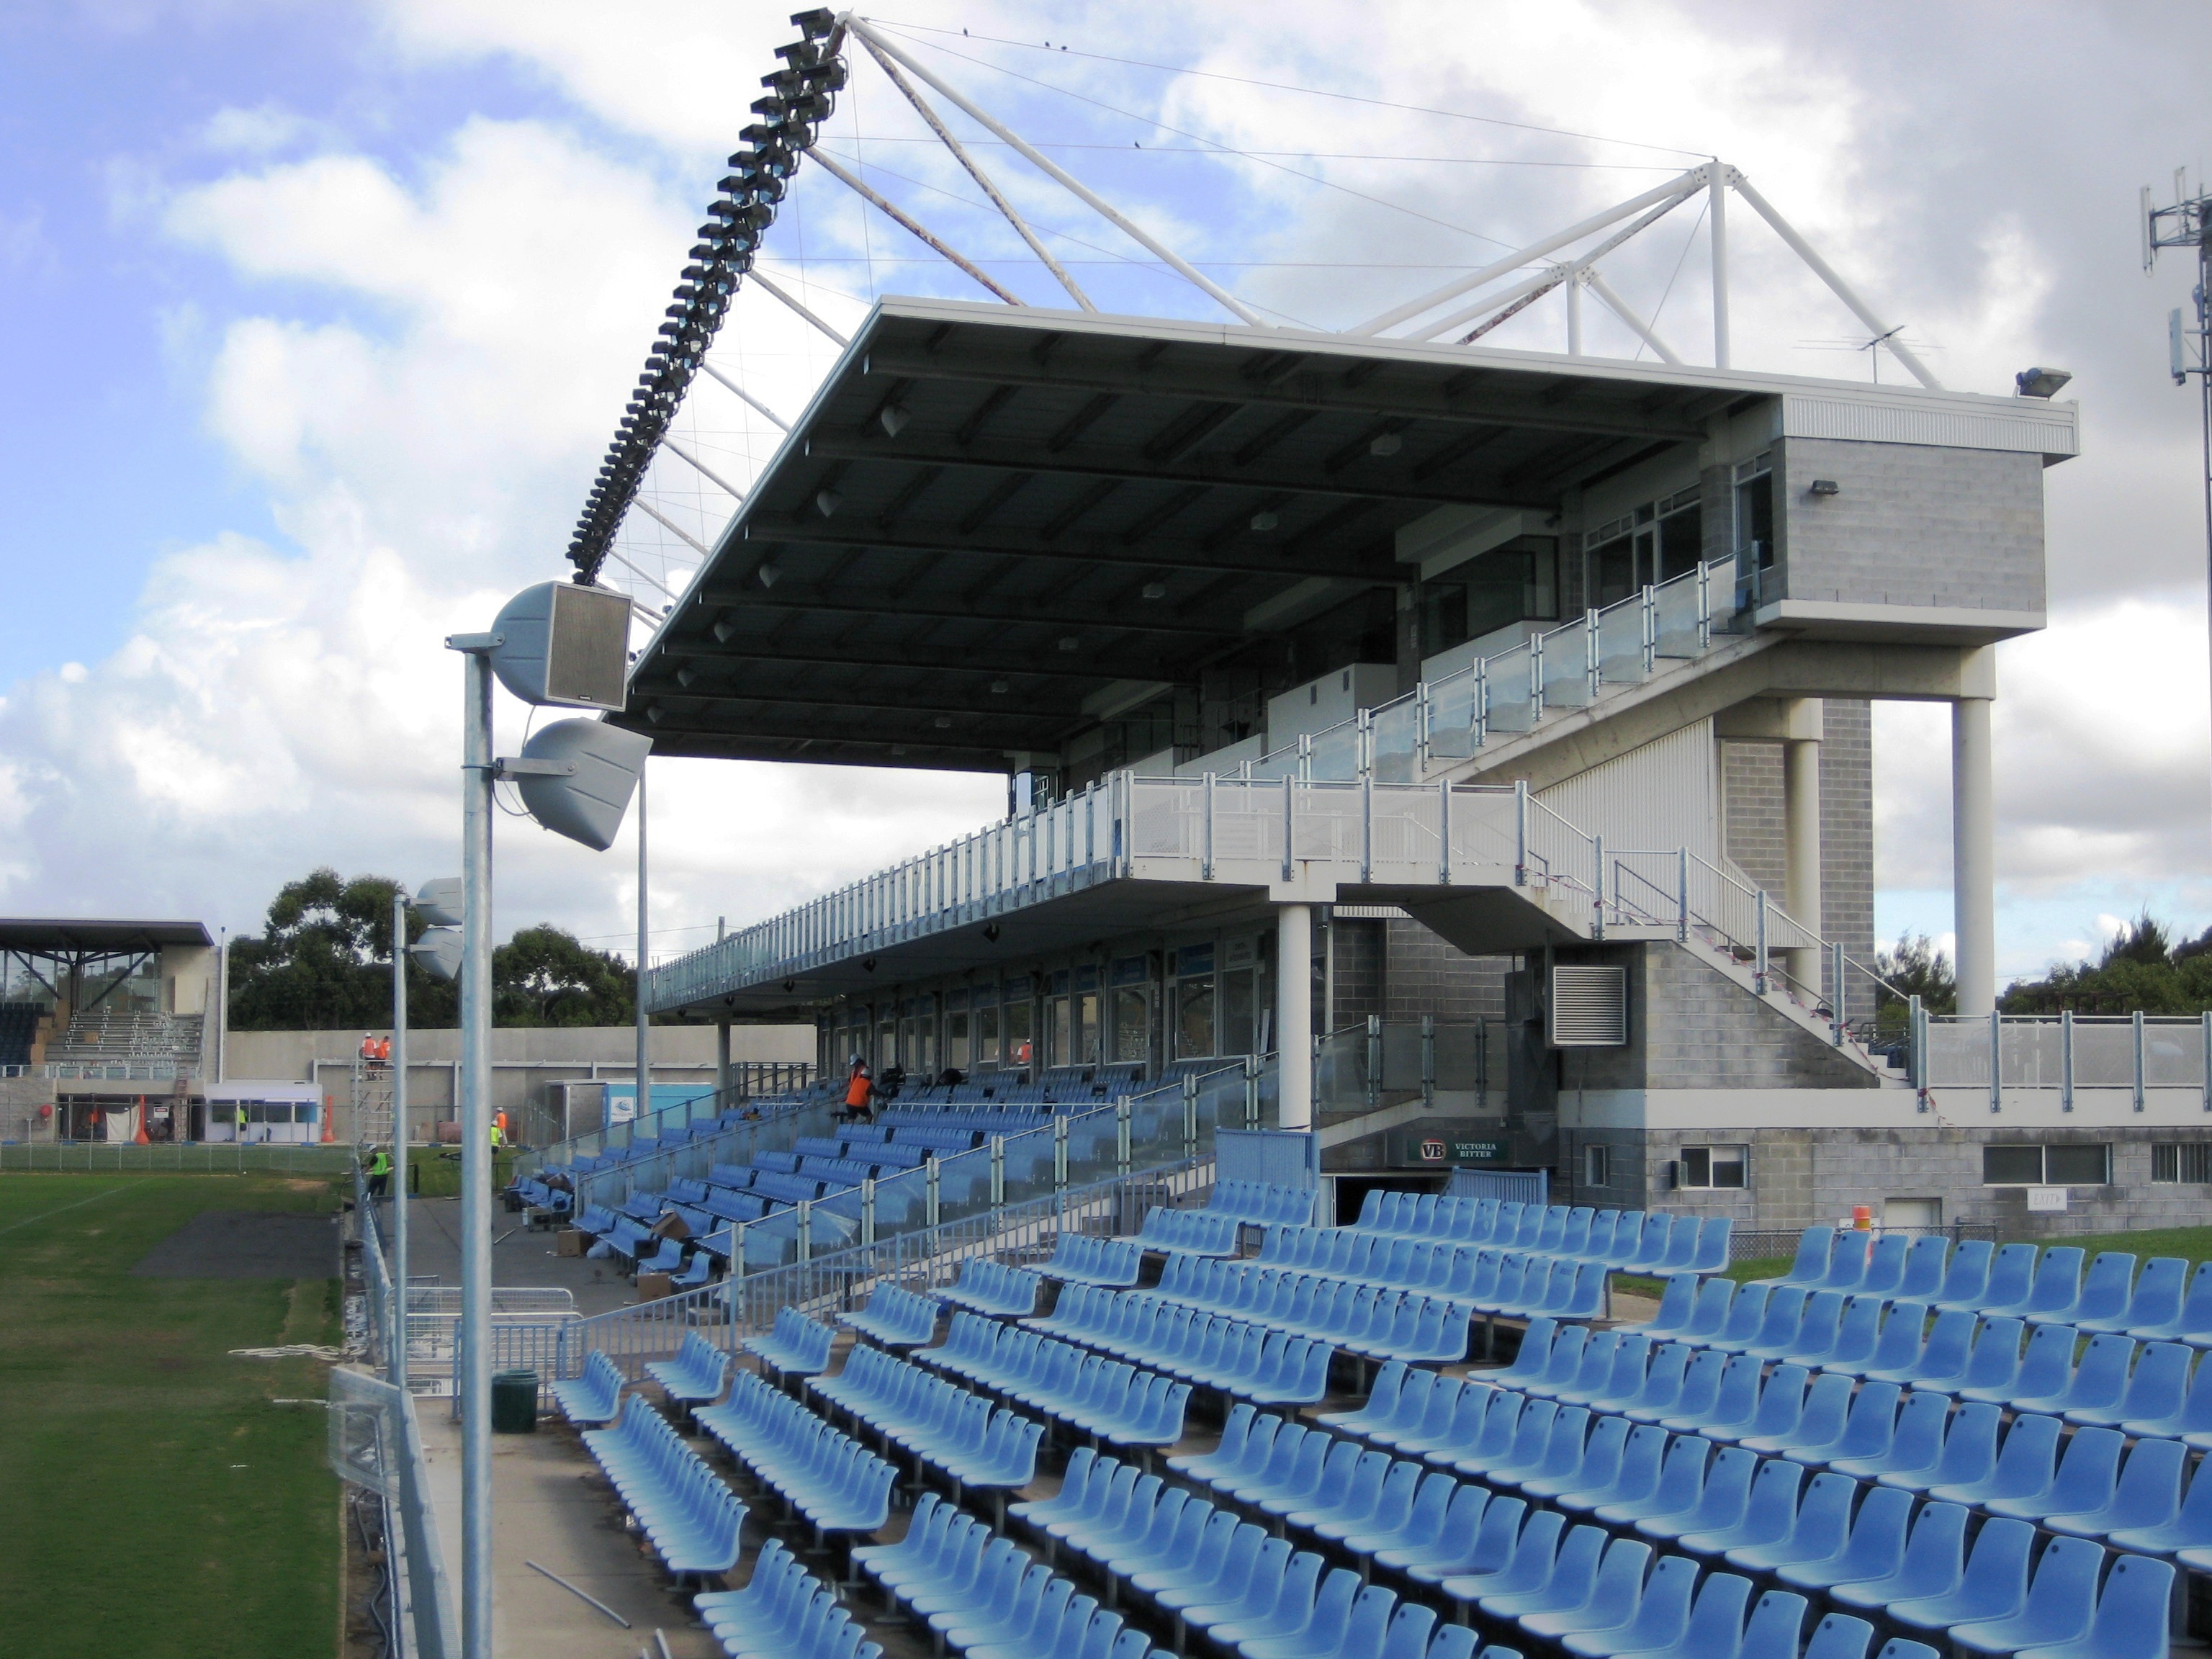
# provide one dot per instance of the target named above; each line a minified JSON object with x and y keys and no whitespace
{"x":835,"y":1282}
{"x":1780,"y":1245}
{"x":376,"y":1443}
{"x":1355,"y":1067}
{"x":181,"y":1158}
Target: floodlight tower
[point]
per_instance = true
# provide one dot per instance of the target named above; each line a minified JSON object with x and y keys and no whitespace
{"x":2188,"y":224}
{"x":555,"y":645}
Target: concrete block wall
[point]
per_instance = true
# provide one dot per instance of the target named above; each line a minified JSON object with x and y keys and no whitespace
{"x":1692,"y":1027}
{"x":1910,"y":525}
{"x":1425,"y":974}
{"x":1800,"y":1177}
{"x":1751,"y":829}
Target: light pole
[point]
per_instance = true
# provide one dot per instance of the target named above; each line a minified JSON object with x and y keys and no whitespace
{"x":644,"y":1041}
{"x":563,"y":646}
{"x":436,"y":901}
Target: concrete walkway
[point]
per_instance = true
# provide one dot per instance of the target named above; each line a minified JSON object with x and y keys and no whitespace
{"x":519,"y":1255}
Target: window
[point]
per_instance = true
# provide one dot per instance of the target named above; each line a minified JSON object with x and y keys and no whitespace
{"x":987,"y":1036}
{"x":1597,"y":1166}
{"x":2070,"y":1165}
{"x":2187,"y":1160}
{"x":1516,"y":582}
{"x":1715,"y":1166}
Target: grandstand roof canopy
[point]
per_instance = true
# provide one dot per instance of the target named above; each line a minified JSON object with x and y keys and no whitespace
{"x":995,"y":525}
{"x":47,"y":937}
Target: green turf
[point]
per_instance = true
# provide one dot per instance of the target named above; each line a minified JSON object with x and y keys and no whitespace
{"x":153,"y":1502}
{"x":438,"y":1170}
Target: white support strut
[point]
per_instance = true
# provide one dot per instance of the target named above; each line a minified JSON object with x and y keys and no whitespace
{"x":866,"y":31}
{"x":703,"y":469}
{"x":747,"y":398}
{"x":654,"y":513}
{"x":907,"y":221}
{"x":1837,"y":285}
{"x":778,"y":290}
{"x":975,"y":171}
{"x":1716,"y":194}
{"x":1673,"y":191}
{"x":1551,"y":278}
{"x":1621,"y":308}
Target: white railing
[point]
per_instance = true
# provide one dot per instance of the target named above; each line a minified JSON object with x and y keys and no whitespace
{"x":2052,"y":1058}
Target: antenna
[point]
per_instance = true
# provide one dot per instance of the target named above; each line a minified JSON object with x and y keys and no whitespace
{"x":2188,"y":224}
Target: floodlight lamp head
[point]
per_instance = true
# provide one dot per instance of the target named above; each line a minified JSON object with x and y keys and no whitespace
{"x":439,"y":953}
{"x":585,"y":803}
{"x":2041,"y":382}
{"x":564,"y":646}
{"x":441,"y":901}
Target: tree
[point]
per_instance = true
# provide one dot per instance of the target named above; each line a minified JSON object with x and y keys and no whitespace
{"x":2142,"y":969}
{"x":324,"y":963}
{"x":1913,"y":968}
{"x":544,"y":977}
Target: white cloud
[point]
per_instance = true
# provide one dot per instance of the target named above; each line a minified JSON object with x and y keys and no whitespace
{"x":441,"y":335}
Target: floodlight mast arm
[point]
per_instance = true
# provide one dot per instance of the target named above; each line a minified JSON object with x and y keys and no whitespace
{"x":1884,"y":331}
{"x":976,"y":171}
{"x":867,"y":32}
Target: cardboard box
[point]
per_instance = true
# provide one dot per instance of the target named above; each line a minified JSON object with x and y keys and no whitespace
{"x":569,"y":1241}
{"x":651,"y":1287}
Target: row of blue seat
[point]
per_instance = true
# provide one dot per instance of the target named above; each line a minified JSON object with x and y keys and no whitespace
{"x":895,"y":1317}
{"x":1214,"y":1571}
{"x":1168,"y":1330}
{"x":795,"y":1346}
{"x":1100,"y":1396}
{"x":1190,"y":1232}
{"x":1625,"y":1240}
{"x":594,"y":1397}
{"x":1080,"y":1259}
{"x":2165,"y":1302}
{"x":696,"y":1377}
{"x":1518,"y":1287}
{"x":784,"y":1612}
{"x":1261,"y":1203}
{"x":692,"y":1520}
{"x":1237,"y":1357}
{"x":991,"y":1287}
{"x":942,"y":1424}
{"x":828,"y":1478}
{"x":982,"y":1597}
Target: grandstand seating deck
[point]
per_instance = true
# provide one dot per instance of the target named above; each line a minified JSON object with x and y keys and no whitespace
{"x":1782,"y":1486}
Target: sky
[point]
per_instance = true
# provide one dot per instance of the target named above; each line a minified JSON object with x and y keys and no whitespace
{"x":315,"y":316}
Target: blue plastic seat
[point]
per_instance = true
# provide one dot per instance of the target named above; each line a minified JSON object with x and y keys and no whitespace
{"x":1701,"y":1391}
{"x":1992,"y":1585}
{"x":1820,"y":1419}
{"x":1885,"y":1268}
{"x":2189,"y":1530}
{"x":2129,"y":1622}
{"x":1536,"y":1353}
{"x":1929,"y":1564}
{"x":1993,"y":1367}
{"x":2192,"y":1322}
{"x":1481,"y":1535}
{"x":2157,"y":1387}
{"x":1675,"y":1490}
{"x":1874,"y":1548}
{"x":1925,"y":1264}
{"x":1527,"y":1564}
{"x":1657,"y":1616}
{"x":1769,"y":1512}
{"x":1820,"y":1529}
{"x":1966,"y":1276}
{"x":1865,"y":1432}
{"x":1896,"y":1347}
{"x":1721,"y":1498}
{"x":1850,"y":1342}
{"x":2147,"y":1495}
{"x":1771,"y":1631}
{"x":1660,"y":1393}
{"x":1915,"y":1440}
{"x":2086,"y":1472}
{"x":2056,"y":1287}
{"x":1567,"y":1582}
{"x":696,"y":1376}
{"x":2026,"y":1465}
{"x":1610,"y":1600}
{"x":1815,"y":1245}
{"x":593,"y":1398}
{"x":2095,"y":1383}
{"x":1635,"y":1479}
{"x":1777,"y":1411}
{"x":2155,"y":1298}
{"x":1968,"y":1454}
{"x":2104,"y":1294}
{"x":2061,"y":1601}
{"x":1795,"y":1320}
{"x":1715,"y":1628}
{"x":1939,"y":1357}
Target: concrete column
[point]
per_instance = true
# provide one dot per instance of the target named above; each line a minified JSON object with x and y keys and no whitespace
{"x":1973,"y":856}
{"x":1800,"y":821}
{"x":722,"y":1078}
{"x":1294,"y":1012}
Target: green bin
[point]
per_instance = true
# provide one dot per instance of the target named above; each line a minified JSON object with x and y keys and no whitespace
{"x":514,"y":1402}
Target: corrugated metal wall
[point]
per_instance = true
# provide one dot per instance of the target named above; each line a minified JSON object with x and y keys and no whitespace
{"x":1655,"y":799}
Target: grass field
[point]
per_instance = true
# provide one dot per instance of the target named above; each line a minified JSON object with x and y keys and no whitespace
{"x":153,"y":1501}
